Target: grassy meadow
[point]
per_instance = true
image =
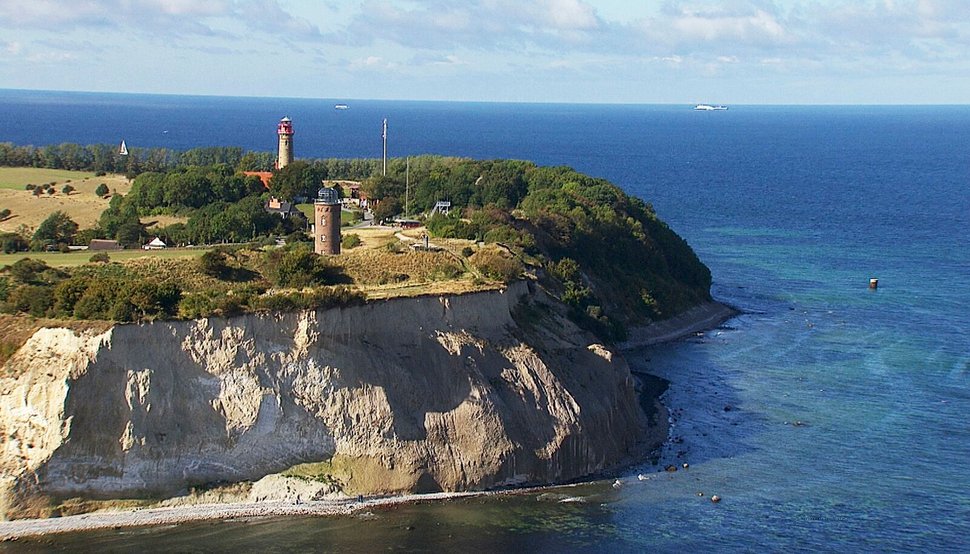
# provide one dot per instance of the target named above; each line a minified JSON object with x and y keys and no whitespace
{"x":81,"y":257}
{"x":82,"y":204}
{"x":14,"y":178}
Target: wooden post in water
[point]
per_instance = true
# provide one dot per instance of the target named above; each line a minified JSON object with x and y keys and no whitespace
{"x":873,"y":283}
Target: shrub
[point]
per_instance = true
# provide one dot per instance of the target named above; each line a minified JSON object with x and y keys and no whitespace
{"x":100,"y":257}
{"x":467,"y":251}
{"x":445,"y":272}
{"x":68,"y":189}
{"x":34,"y":272}
{"x":565,"y":270}
{"x":320,"y":298}
{"x":32,"y":299}
{"x":214,"y":264}
{"x":67,"y":293}
{"x":102,"y":190}
{"x":350,"y":241}
{"x":147,"y":300}
{"x":297,"y":237}
{"x":194,"y":306}
{"x":496,"y":265}
{"x":4,"y":214}
{"x":395,"y":247}
{"x":296,"y":268}
{"x":30,"y":187}
{"x":98,"y":300}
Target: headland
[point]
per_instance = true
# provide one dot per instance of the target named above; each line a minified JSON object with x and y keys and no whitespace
{"x":477,"y":352}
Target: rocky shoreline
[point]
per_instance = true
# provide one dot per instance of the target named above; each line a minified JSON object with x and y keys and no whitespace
{"x":699,"y":318}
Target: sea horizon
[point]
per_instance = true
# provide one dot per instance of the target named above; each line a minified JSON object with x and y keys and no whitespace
{"x":338,"y":99}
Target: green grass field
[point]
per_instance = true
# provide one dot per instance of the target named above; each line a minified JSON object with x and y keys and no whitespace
{"x":16,"y":177}
{"x":81,"y":257}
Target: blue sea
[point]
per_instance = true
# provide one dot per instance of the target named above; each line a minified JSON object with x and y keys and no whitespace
{"x":828,"y":417}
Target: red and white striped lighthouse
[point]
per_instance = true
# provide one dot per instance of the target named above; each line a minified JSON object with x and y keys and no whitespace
{"x":285,"y":131}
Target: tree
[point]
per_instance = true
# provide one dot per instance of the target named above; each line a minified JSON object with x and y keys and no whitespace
{"x":388,"y":208}
{"x":68,"y":189}
{"x":297,"y":179}
{"x":102,"y":190}
{"x":130,"y":234}
{"x":58,"y":228}
{"x":380,"y":187}
{"x":120,"y":212}
{"x":12,"y":242}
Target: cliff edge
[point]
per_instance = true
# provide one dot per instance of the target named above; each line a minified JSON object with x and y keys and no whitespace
{"x":440,"y":393}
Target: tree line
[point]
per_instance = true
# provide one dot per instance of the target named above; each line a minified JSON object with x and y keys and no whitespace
{"x":105,"y":158}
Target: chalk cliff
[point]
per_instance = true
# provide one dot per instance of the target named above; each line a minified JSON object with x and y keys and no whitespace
{"x":411,"y":394}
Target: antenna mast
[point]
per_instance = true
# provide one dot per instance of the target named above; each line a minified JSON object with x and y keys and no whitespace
{"x":384,"y":138}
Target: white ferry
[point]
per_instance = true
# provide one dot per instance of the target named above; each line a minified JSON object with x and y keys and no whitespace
{"x":341,"y":107}
{"x":710,"y":108}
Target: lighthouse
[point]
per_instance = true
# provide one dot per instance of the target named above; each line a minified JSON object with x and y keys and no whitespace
{"x":326,"y":220}
{"x":285,"y":131}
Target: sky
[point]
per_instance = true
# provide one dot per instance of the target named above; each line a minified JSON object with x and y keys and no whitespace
{"x":599,"y":51}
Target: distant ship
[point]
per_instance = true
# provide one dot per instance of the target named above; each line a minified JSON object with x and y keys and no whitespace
{"x":341,"y":107}
{"x":709,"y":108}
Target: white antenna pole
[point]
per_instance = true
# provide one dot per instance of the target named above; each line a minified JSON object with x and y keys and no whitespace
{"x":407,"y":184}
{"x":384,"y":138}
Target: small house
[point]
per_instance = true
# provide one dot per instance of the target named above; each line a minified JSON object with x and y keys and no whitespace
{"x":104,"y":244}
{"x":156,"y":244}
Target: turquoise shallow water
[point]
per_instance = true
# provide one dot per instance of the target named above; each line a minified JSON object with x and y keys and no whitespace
{"x":793,"y":209}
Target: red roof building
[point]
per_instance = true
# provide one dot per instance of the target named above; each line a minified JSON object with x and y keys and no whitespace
{"x":264,"y":176}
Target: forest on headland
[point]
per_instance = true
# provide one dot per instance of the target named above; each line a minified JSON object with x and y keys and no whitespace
{"x":605,"y":254}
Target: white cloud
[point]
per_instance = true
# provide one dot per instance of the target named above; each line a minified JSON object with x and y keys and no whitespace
{"x":158,"y":17}
{"x":270,"y":17}
{"x":51,"y":57}
{"x":182,"y":7}
{"x":567,"y":14}
{"x":468,"y":40}
{"x":371,"y":63}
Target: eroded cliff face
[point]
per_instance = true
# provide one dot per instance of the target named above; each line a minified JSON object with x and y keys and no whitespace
{"x":420,"y":394}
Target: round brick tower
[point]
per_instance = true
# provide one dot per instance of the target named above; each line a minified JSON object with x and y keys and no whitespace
{"x":326,"y":222}
{"x":285,"y":131}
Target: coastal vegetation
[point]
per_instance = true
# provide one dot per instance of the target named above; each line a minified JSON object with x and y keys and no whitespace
{"x":604,"y":254}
